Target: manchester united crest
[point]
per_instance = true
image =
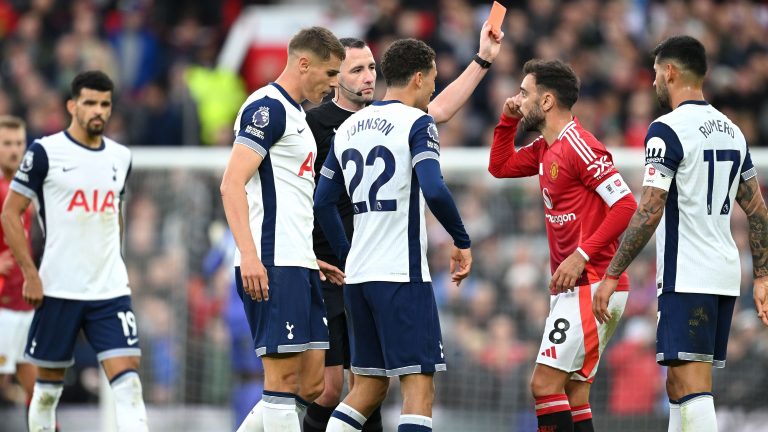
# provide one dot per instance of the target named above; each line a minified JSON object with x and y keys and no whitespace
{"x":553,"y":171}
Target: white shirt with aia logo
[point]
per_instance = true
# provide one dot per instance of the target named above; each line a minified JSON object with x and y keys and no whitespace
{"x":78,"y":191}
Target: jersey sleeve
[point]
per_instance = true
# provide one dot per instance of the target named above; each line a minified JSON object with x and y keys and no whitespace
{"x":663,"y":155}
{"x":423,"y":140}
{"x":507,"y":162}
{"x":331,"y":168}
{"x":594,"y":166}
{"x":747,"y":168}
{"x":262,"y":123}
{"x":127,"y":175}
{"x":31,"y":174}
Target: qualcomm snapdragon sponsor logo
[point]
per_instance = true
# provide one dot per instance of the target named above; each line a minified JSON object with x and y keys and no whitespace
{"x":561,"y":218}
{"x":547,"y":198}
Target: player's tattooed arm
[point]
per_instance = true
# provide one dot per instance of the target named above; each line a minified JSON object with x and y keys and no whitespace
{"x":641,"y":227}
{"x":751,"y":200}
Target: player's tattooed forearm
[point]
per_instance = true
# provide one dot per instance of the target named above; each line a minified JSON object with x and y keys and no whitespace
{"x":641,"y":227}
{"x":749,"y":198}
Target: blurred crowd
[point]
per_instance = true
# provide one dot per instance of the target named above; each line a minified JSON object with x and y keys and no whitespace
{"x":162,"y":55}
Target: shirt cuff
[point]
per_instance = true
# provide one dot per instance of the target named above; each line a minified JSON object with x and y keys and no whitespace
{"x":582,"y":253}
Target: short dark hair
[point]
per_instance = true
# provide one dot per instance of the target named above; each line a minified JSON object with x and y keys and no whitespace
{"x":557,"y":77}
{"x":688,"y":52}
{"x":11,"y":122}
{"x":404,"y":58}
{"x":350,"y":42}
{"x":94,"y":80}
{"x":319,"y":41}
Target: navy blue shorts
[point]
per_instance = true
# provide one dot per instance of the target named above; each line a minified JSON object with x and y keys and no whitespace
{"x":109,"y":326}
{"x":394,"y":328}
{"x":693,"y":327}
{"x":293,"y":319}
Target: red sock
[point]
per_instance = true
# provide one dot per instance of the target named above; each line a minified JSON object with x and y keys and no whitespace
{"x":582,"y":418}
{"x":554,"y":413}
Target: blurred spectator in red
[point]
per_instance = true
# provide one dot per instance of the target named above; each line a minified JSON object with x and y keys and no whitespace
{"x":634,"y":375}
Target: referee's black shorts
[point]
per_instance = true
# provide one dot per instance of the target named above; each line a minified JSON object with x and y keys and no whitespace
{"x":338,"y":334}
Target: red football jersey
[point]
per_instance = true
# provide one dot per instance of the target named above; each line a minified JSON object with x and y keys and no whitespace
{"x":578,"y":184}
{"x":12,"y":282}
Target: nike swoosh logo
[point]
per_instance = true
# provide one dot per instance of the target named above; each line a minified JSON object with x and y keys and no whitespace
{"x":65,"y":169}
{"x":300,"y":130}
{"x":133,"y":341}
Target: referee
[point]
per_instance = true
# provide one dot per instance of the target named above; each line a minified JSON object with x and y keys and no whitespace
{"x":357,"y":82}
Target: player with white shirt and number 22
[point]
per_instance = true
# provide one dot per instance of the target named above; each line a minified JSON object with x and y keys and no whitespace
{"x":387,"y":155}
{"x":697,"y":163}
{"x":76,"y":179}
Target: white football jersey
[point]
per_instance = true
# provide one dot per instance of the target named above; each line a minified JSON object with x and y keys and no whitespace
{"x":78,"y":192}
{"x":280,"y":194}
{"x":699,"y":156}
{"x":376,"y":150}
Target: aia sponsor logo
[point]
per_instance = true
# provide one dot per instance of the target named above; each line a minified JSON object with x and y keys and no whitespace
{"x":93,"y":202}
{"x":308,"y":166}
{"x":651,"y":170}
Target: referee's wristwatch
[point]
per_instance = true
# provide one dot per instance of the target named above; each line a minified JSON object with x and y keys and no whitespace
{"x":483,"y":63}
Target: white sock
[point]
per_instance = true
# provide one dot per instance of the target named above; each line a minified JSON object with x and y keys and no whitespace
{"x":254,"y":422}
{"x":409,"y":421}
{"x":42,"y":409}
{"x":130,"y":413}
{"x":345,"y":419}
{"x":697,"y":413}
{"x":280,"y":413}
{"x":675,"y":423}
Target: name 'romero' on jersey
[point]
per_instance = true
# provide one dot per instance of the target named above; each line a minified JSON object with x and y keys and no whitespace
{"x":280,"y":194}
{"x":77,"y":191}
{"x":699,"y":156}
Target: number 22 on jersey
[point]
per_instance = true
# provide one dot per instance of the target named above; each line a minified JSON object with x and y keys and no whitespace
{"x":374,"y":204}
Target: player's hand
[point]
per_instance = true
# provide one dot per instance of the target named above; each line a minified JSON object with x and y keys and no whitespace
{"x":511,"y":109}
{"x":254,"y":275}
{"x":567,"y":273}
{"x":600,"y":300}
{"x":490,"y":43}
{"x":331,"y":273}
{"x":461,"y":264}
{"x":6,"y":262}
{"x":32,"y":291}
{"x":760,"y":295}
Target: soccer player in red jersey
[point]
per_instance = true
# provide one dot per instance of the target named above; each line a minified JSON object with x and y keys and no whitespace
{"x":15,"y":313}
{"x":587,"y":205}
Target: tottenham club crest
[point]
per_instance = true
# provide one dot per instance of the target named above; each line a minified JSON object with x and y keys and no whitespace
{"x":26,"y":162}
{"x":261,"y":117}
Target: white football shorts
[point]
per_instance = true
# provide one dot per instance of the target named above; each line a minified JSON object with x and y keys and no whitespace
{"x":573,"y":340}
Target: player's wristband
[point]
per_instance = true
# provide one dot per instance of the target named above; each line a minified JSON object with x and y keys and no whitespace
{"x":611,"y":277}
{"x":483,"y":63}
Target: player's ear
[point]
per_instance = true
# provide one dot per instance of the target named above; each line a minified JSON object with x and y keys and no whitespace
{"x":71,"y":104}
{"x":547,"y":101}
{"x":304,"y":61}
{"x":418,"y":79}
